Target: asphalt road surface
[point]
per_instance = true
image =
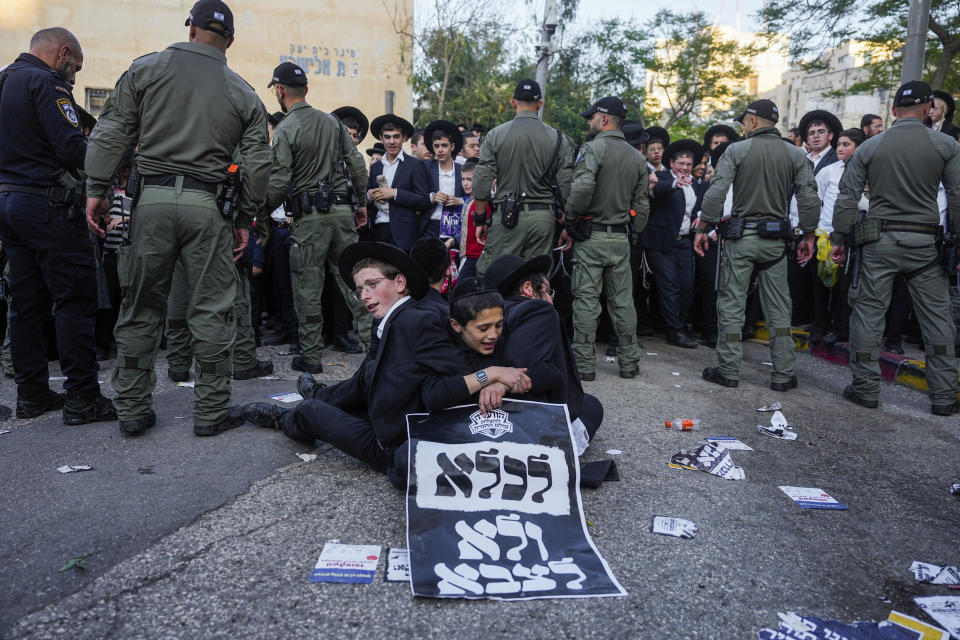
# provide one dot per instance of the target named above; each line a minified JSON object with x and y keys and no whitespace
{"x":202,"y":538}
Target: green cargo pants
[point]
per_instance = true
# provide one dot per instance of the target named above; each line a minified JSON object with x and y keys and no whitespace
{"x":602,"y":263}
{"x":179,"y":352}
{"x":533,"y":236}
{"x":170,"y":223}
{"x":317,"y":240}
{"x":736,"y":267}
{"x":914,"y":255}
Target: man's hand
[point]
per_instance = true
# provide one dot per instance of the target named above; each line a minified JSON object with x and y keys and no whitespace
{"x":97,"y":213}
{"x":654,"y":180}
{"x":565,"y":241}
{"x":491,"y":397}
{"x":256,"y":271}
{"x":382,"y":194}
{"x":482,"y":235}
{"x":240,"y":239}
{"x":683,"y":181}
{"x":806,"y":249}
{"x":701,"y":243}
{"x":360,"y":217}
{"x":838,"y":254}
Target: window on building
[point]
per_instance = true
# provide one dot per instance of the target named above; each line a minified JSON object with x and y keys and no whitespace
{"x":96,"y":98}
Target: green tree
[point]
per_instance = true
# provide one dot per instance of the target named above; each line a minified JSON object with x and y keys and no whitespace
{"x":818,"y":25}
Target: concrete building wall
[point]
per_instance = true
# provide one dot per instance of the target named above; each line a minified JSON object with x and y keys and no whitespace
{"x":350,"y":50}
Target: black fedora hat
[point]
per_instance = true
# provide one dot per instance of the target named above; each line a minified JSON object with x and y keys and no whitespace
{"x":413,"y":272}
{"x":377,"y":148}
{"x":659,"y":132}
{"x":452,"y":130}
{"x":722,"y":129}
{"x":686,"y":144}
{"x":832,"y":122}
{"x":376,"y":126}
{"x":949,"y":101}
{"x":634,"y":133}
{"x":505,"y":271}
{"x":356,"y":114}
{"x":717,"y":152}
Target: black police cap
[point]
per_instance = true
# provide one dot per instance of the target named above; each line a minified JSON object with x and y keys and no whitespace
{"x":762,"y":109}
{"x":611,"y":105}
{"x":528,"y":91}
{"x":205,"y":12}
{"x":289,"y":74}
{"x":913,"y":93}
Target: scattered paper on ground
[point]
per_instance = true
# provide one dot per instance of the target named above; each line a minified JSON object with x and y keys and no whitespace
{"x":955,"y":488}
{"x":944,"y":609}
{"x":286,"y":397}
{"x":610,"y":359}
{"x":346,"y":563}
{"x":3,"y":431}
{"x":58,"y":378}
{"x":674,"y":373}
{"x":778,"y":427}
{"x":803,"y":627}
{"x":676,"y":527}
{"x":927,"y":631}
{"x":710,"y":458}
{"x":728,"y":443}
{"x":398,"y":565}
{"x":811,"y":498}
{"x":652,"y":353}
{"x":189,"y":383}
{"x":70,"y":468}
{"x":776,"y":406}
{"x":268,"y":378}
{"x":935,"y":574}
{"x":307,"y":457}
{"x":614,"y":452}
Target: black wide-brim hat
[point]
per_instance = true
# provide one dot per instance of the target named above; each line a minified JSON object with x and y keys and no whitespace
{"x":948,"y":99}
{"x":416,"y":277}
{"x":661,"y":133}
{"x":819,"y":114}
{"x":505,"y":271}
{"x":634,"y":133}
{"x":452,"y":130}
{"x":376,"y":126}
{"x":686,"y":144}
{"x":356,"y":114}
{"x":377,"y":148}
{"x":717,"y":152}
{"x":722,"y":129}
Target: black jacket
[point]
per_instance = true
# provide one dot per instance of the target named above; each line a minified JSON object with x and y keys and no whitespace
{"x":533,"y":338}
{"x":666,"y":212}
{"x":410,"y":209}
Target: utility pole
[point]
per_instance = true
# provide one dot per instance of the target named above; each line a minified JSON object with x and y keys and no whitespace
{"x":916,"y":44}
{"x":546,"y":48}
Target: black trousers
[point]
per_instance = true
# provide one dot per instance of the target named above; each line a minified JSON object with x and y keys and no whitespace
{"x":705,"y":292}
{"x":673,"y":271}
{"x":279,"y":257}
{"x":52,"y":264}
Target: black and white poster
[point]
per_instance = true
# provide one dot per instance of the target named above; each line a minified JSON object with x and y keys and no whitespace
{"x":494,"y":509}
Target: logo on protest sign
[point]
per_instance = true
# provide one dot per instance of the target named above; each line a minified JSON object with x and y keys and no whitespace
{"x":493,"y":425}
{"x":68,"y":112}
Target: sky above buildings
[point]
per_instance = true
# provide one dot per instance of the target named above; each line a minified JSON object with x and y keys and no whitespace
{"x":724,"y":12}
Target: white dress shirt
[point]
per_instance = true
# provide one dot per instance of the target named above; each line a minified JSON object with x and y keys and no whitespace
{"x":828,"y":186}
{"x":690,"y":200}
{"x":389,"y":172}
{"x":447,"y":186}
{"x":390,"y":311}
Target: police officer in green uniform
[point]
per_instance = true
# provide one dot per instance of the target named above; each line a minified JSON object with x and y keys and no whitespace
{"x":525,"y":157}
{"x":184,"y":156}
{"x":608,"y":206}
{"x":762,"y":169}
{"x":904,"y":166}
{"x":314,"y":152}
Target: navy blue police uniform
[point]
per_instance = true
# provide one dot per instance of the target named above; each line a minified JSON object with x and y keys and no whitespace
{"x":44,"y":232}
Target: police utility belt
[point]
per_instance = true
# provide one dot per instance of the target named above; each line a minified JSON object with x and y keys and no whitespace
{"x":733,"y":228}
{"x":226,"y":191}
{"x":870,"y":230}
{"x":58,"y":196}
{"x":303,"y":203}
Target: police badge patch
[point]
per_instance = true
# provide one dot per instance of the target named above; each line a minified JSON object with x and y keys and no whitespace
{"x":66,"y":108}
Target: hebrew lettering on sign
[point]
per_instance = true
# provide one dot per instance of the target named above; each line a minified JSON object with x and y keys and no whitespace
{"x":482,"y":476}
{"x":486,"y":543}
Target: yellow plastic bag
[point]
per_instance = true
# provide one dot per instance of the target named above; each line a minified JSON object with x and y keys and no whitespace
{"x":827,"y":269}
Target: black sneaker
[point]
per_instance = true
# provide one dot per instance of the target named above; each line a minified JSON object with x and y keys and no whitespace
{"x":894,"y":347}
{"x":37,"y":405}
{"x":232,"y":420}
{"x":262,"y":414}
{"x":83,"y":410}
{"x":633,"y":373}
{"x":299,"y":364}
{"x":785,"y":386}
{"x":588,"y":377}
{"x":138,"y":426}
{"x":307,"y":386}
{"x":851,"y":395}
{"x":681,"y":339}
{"x":262,"y":368}
{"x":611,"y":350}
{"x":346,"y":345}
{"x":945,"y":409}
{"x":712,"y":374}
{"x":178,"y":376}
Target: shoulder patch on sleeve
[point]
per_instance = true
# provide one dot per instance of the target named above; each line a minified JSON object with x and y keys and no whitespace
{"x":68,"y":112}
{"x":63,"y":89}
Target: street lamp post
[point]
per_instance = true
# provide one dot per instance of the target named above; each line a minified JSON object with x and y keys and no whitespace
{"x":546,"y":48}
{"x":916,"y":44}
